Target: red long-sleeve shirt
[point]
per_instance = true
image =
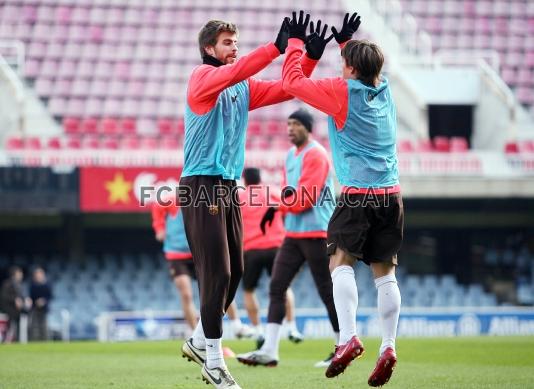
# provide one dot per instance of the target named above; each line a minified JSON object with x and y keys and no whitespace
{"x":207,"y":81}
{"x":254,"y":204}
{"x":328,"y":95}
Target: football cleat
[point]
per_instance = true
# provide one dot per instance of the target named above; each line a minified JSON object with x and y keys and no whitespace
{"x":193,"y":353}
{"x":384,"y":368}
{"x":344,"y":355}
{"x":258,"y":357}
{"x":219,"y":377}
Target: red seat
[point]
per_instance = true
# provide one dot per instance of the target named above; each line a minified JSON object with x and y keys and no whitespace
{"x":274,"y":127}
{"x":109,"y":143}
{"x":15,"y":143}
{"x":458,"y":144}
{"x":165,"y":127}
{"x":32,"y":143}
{"x":149,"y":142}
{"x":180,"y":126}
{"x":109,"y":126}
{"x":128,"y":126}
{"x":89,"y":126}
{"x":71,"y":125}
{"x":424,"y":145}
{"x":441,"y":144}
{"x":254,"y":127}
{"x":54,"y":143}
{"x":91,"y":142}
{"x":511,"y":148}
{"x":130,"y":142}
{"x":405,"y":146}
{"x":74,"y":142}
{"x":170,"y":143}
{"x":527,"y":146}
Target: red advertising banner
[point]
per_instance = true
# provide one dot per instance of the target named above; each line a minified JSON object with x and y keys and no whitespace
{"x":116,"y":189}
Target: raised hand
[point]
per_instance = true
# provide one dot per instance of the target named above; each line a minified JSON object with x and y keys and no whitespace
{"x":316,"y":41}
{"x":298,"y":27}
{"x":283,"y":36}
{"x":350,"y":26}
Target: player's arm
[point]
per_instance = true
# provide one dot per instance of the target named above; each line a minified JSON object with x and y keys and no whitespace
{"x":315,"y":168}
{"x":329,"y":95}
{"x":158,"y":220}
{"x":263,"y":93}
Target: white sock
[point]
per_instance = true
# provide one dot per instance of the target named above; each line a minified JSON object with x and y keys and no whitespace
{"x":336,"y":337}
{"x":199,"y":339}
{"x":346,"y":301}
{"x":272,"y":339}
{"x":258,"y":329}
{"x":291,"y":326}
{"x":214,"y":354}
{"x":236,"y":324}
{"x":389,"y":302}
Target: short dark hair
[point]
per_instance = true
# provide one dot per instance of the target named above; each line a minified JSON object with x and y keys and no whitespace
{"x":366,"y":57}
{"x":211,"y":30}
{"x":251,"y":176}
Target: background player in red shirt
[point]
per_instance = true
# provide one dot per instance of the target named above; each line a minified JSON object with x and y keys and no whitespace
{"x":260,"y":249}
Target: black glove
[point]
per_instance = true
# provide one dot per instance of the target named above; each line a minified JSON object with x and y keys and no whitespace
{"x":297,"y":28}
{"x":316,"y":42}
{"x":267,"y":217}
{"x":283,"y":36}
{"x":288,"y":191}
{"x":349,"y":28}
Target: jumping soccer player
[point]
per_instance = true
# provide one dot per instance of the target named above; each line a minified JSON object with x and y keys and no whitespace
{"x":220,"y":93}
{"x":308,"y":204}
{"x":368,"y":225}
{"x":168,"y":224}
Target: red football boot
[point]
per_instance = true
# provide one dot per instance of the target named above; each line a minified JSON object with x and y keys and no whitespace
{"x":344,"y":355}
{"x":384,"y":368}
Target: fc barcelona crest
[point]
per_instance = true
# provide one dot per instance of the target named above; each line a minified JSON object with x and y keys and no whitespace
{"x":213,"y":209}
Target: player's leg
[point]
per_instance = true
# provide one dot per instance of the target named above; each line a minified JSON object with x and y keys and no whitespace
{"x":182,"y":281}
{"x":385,"y":239}
{"x":347,"y":232}
{"x":251,"y":276}
{"x":286,"y":265}
{"x":294,"y":335}
{"x":239,"y":329}
{"x":315,"y":252}
{"x":206,"y":231}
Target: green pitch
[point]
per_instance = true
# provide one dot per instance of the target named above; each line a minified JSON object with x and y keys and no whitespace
{"x":499,"y":362}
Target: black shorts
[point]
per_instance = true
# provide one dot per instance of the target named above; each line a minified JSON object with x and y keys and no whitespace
{"x":179,"y":267}
{"x":255,"y":262}
{"x":369,"y":228}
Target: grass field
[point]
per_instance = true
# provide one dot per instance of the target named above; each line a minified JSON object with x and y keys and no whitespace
{"x":503,"y":362}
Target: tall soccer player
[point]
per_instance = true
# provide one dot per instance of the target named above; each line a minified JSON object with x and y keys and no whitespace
{"x":308,"y":204}
{"x":220,"y":93}
{"x":168,"y":224}
{"x":368,"y":224}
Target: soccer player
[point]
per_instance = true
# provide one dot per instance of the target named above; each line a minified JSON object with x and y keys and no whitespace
{"x":368,"y":225}
{"x":220,"y":93}
{"x":260,"y":249}
{"x":168,"y":224}
{"x":308,"y":203}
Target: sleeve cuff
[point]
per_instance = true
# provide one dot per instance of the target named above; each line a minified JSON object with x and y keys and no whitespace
{"x":342,"y":45}
{"x":295,"y":42}
{"x":272,"y":50}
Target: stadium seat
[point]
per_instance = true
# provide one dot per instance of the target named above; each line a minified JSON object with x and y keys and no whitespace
{"x":441,"y":144}
{"x":458,"y":144}
{"x":511,"y":148}
{"x":53,"y":143}
{"x":405,"y":146}
{"x":15,"y":143}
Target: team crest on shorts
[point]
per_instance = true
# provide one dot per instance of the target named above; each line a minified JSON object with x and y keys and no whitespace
{"x":213,"y":209}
